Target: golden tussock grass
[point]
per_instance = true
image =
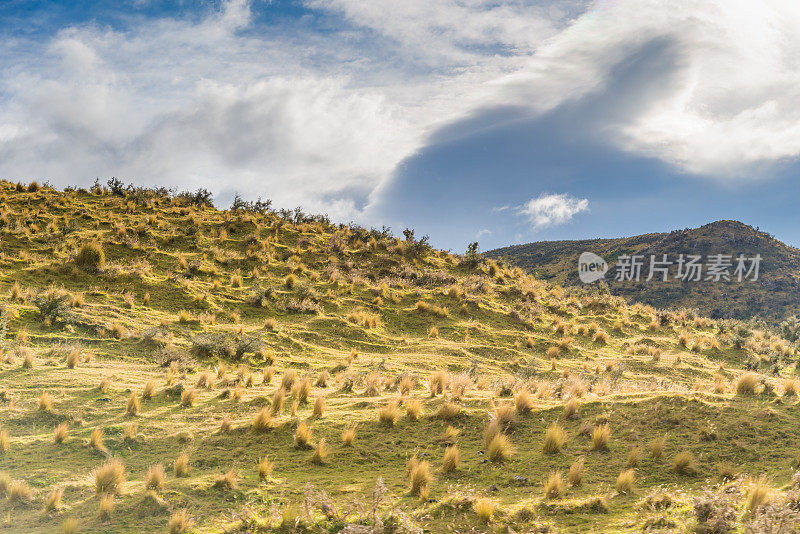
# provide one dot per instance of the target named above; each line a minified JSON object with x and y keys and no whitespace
{"x":302,"y":436}
{"x":133,"y":406}
{"x":484,"y":509}
{"x":500,"y":448}
{"x":554,"y":485}
{"x":188,"y":397}
{"x":349,"y":436}
{"x":420,"y":477}
{"x":262,"y":422}
{"x":657,"y":447}
{"x":625,"y":481}
{"x":600,"y":438}
{"x":575,"y":473}
{"x":60,"y":433}
{"x":228,"y":480}
{"x":53,"y":500}
{"x":320,"y":455}
{"x":180,"y":522}
{"x":389,"y":414}
{"x":109,"y":477}
{"x":572,"y":409}
{"x":155,"y":478}
{"x":181,"y":465}
{"x":319,"y":407}
{"x":685,"y":463}
{"x":554,"y":439}
{"x":264,"y":468}
{"x":523,"y":401}
{"x":105,"y":507}
{"x":96,"y":440}
{"x":278,"y":399}
{"x":759,"y":493}
{"x":45,"y":403}
{"x":448,"y":410}
{"x":451,"y":459}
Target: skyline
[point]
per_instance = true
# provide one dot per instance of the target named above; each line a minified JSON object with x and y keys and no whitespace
{"x":467,"y":120}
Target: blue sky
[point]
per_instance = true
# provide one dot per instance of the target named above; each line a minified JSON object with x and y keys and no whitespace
{"x":501,"y":121}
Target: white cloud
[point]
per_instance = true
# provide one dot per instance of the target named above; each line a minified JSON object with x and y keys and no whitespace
{"x":324,"y":119}
{"x":552,"y":209}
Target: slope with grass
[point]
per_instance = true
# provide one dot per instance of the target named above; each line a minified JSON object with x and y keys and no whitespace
{"x":772,"y":297}
{"x":170,"y":367}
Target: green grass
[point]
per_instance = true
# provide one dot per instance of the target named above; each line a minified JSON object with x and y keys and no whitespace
{"x":497,"y":333}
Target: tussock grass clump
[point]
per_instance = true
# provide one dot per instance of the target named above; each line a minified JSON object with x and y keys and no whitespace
{"x":389,"y":414}
{"x":60,"y":433}
{"x":302,"y":436}
{"x":278,"y":399}
{"x":320,"y":455}
{"x":301,"y":390}
{"x":27,"y":360}
{"x":791,"y":387}
{"x":264,"y":468}
{"x":500,"y":448}
{"x":554,"y":485}
{"x":5,"y":441}
{"x":179,"y":522}
{"x":554,"y":438}
{"x":420,"y":477}
{"x":97,"y":440}
{"x":69,"y":526}
{"x":685,"y":463}
{"x":288,"y":379}
{"x":759,"y":493}
{"x":225,"y":426}
{"x":523,"y":401}
{"x":657,"y":447}
{"x":133,"y":406}
{"x":106,"y":506}
{"x":188,"y":397}
{"x":156,"y":478}
{"x":226,"y":481}
{"x":90,"y":257}
{"x":575,"y":474}
{"x":319,"y":407}
{"x":110,"y":477}
{"x":19,"y":492}
{"x":448,"y":410}
{"x":262,"y":422}
{"x":625,"y":480}
{"x":485,"y":508}
{"x":349,"y":436}
{"x":52,"y":502}
{"x":634,"y":455}
{"x":452,"y":459}
{"x":600,"y":437}
{"x":45,"y":403}
{"x":149,"y":390}
{"x":505,"y":415}
{"x":746,"y":384}
{"x":572,"y":409}
{"x":413,"y":409}
{"x":129,"y":433}
{"x":73,"y":358}
{"x":267,"y":375}
{"x":181,"y":465}
{"x":438,"y":382}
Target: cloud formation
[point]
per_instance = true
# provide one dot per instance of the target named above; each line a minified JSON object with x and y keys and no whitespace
{"x":552,"y":209}
{"x":325,"y":118}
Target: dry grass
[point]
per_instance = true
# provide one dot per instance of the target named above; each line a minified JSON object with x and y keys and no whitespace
{"x":389,"y":414}
{"x":554,"y":438}
{"x":657,"y":447}
{"x":133,"y":407}
{"x":156,"y":478}
{"x":320,"y":455}
{"x":181,"y":466}
{"x":228,"y":480}
{"x":278,"y":398}
{"x":302,"y":436}
{"x":97,"y":440}
{"x":448,"y":410}
{"x":452,"y":459}
{"x":264,"y":468}
{"x":554,"y":485}
{"x":188,"y":398}
{"x":52,"y":502}
{"x":505,"y":415}
{"x":179,"y":522}
{"x":634,"y":455}
{"x":500,"y":448}
{"x":523,"y":401}
{"x":420,"y":477}
{"x":759,"y":493}
{"x":349,"y":436}
{"x":106,"y":506}
{"x":413,"y":409}
{"x":109,"y":477}
{"x":600,"y":438}
{"x":262,"y":422}
{"x":484,"y":509}
{"x":625,"y":481}
{"x":5,"y":441}
{"x":438,"y":382}
{"x":149,"y":390}
{"x":319,"y":407}
{"x":572,"y":409}
{"x":747,"y":383}
{"x":685,"y":463}
{"x":45,"y":403}
{"x":575,"y":474}
{"x":60,"y":433}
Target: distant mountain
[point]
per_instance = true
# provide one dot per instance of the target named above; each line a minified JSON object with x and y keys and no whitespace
{"x":773,"y":296}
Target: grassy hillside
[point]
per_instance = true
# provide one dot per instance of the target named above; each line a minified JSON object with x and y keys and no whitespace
{"x":169,"y":367}
{"x":773,"y":297}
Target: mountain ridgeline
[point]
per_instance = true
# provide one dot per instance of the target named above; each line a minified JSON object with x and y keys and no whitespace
{"x":773,"y":296}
